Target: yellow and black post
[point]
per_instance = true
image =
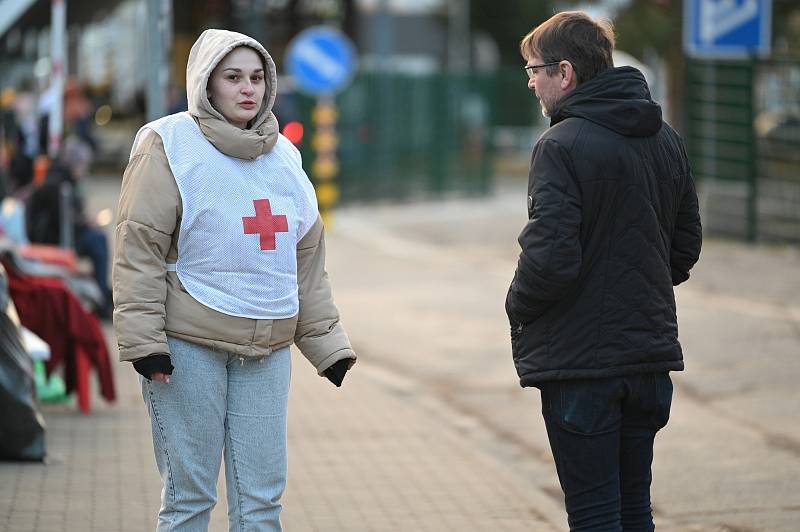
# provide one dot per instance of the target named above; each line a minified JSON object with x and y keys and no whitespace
{"x":325,"y":166}
{"x":322,"y":61}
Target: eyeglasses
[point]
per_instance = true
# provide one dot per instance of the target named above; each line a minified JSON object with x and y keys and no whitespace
{"x":531,"y":69}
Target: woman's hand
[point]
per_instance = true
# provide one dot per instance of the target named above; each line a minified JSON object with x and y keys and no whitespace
{"x":156,"y":367}
{"x":163,"y":377}
{"x":336,"y":373}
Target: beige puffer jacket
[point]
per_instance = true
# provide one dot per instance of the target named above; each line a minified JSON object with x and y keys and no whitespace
{"x":151,"y":303}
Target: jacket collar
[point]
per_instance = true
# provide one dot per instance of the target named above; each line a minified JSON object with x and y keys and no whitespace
{"x":240,"y":143}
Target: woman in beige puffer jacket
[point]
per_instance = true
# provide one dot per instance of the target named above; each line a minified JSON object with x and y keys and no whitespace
{"x":219,"y":265}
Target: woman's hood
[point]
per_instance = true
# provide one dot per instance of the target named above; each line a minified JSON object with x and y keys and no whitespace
{"x":206,"y":53}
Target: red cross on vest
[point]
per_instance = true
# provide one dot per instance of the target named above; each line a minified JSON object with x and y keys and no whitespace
{"x":265,"y":224}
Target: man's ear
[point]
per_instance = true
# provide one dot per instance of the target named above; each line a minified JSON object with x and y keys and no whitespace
{"x":567,"y":74}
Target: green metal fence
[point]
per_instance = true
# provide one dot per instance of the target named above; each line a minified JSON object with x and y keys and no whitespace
{"x":722,"y":145}
{"x":405,"y":137}
{"x":744,"y":146}
{"x":777,"y":128}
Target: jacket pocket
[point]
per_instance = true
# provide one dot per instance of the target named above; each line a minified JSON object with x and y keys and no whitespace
{"x":283,"y":331}
{"x":516,"y":331}
{"x":530,"y":346}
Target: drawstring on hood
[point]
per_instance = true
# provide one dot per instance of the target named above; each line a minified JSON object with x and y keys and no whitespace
{"x":618,"y":99}
{"x":262,"y":132}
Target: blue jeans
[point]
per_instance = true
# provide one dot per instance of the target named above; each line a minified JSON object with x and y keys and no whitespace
{"x":601,"y":432}
{"x":215,"y":402}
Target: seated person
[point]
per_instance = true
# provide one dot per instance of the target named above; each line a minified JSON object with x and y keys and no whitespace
{"x":43,"y":223}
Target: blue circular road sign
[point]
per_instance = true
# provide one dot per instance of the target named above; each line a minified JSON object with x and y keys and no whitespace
{"x":321,"y":60}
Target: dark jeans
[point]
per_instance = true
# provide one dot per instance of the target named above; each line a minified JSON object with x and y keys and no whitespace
{"x":601,"y":433}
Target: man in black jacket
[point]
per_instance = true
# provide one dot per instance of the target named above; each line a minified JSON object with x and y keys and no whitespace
{"x":613,"y":225}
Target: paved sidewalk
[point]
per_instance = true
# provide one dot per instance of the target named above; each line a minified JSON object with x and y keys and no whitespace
{"x":366,"y":457}
{"x":374,"y":455}
{"x":100,"y":473}
{"x":431,"y":430}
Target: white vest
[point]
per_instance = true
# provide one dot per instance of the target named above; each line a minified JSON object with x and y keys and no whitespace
{"x":241,"y":221}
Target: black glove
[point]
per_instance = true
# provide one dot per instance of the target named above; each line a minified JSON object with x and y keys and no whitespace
{"x":335,"y":373}
{"x":156,"y":363}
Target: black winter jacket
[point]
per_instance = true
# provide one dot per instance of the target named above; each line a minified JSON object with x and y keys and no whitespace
{"x":613,"y":224}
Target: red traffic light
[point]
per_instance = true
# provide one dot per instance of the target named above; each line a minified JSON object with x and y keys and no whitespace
{"x":294,"y":132}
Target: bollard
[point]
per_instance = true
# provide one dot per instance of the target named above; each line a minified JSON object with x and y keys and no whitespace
{"x":325,"y":167}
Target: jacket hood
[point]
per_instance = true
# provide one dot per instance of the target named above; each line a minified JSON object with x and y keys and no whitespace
{"x":618,"y":99}
{"x":262,"y":132}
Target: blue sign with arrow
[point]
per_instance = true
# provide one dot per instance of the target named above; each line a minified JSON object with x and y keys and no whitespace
{"x":321,"y":60}
{"x":727,"y":28}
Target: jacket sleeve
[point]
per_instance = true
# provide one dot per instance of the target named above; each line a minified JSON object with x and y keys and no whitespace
{"x":147,"y":217}
{"x":319,"y":335}
{"x":687,"y":237}
{"x":550,"y":261}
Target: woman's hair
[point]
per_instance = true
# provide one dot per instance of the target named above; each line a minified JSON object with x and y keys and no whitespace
{"x":575,"y":37}
{"x":260,"y":57}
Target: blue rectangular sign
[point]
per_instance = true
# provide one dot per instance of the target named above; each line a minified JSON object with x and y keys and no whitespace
{"x":727,"y":28}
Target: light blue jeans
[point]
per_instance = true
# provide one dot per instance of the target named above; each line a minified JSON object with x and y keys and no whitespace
{"x":214,"y":402}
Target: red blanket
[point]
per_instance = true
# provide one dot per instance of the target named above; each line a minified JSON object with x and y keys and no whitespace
{"x":50,"y":310}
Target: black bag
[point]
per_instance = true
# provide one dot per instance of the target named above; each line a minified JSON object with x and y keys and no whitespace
{"x":21,"y":423}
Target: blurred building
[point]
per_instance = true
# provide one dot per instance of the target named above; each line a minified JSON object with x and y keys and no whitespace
{"x":107,"y":49}
{"x":433,"y":142}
